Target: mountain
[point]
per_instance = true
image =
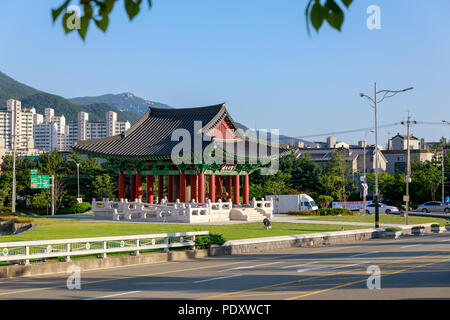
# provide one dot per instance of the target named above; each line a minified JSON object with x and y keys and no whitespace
{"x":282,"y":138}
{"x":123,"y":101}
{"x":127,"y":105}
{"x":31,"y":97}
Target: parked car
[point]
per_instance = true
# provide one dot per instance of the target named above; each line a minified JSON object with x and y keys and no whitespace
{"x":383,"y":208}
{"x":434,"y":206}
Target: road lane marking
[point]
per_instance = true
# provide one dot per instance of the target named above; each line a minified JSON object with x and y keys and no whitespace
{"x":331,"y":268}
{"x":322,"y":249}
{"x":306,"y":279}
{"x":443,"y":240}
{"x":363,"y":254}
{"x":112,"y":295}
{"x":409,"y":246}
{"x":250,"y":267}
{"x":218,"y":278}
{"x":365,"y":279}
{"x":299,"y":265}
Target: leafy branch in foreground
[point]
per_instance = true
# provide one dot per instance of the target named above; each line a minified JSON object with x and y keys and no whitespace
{"x":99,"y":10}
{"x":316,"y":13}
{"x":96,"y":10}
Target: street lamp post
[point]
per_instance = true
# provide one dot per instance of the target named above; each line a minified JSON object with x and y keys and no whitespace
{"x":78,"y":180}
{"x":375,"y":101}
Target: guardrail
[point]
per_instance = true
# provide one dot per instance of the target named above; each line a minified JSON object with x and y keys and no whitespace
{"x":24,"y":251}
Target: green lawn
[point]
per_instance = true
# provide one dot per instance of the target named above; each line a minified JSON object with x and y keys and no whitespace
{"x":48,"y":228}
{"x":384,"y":218}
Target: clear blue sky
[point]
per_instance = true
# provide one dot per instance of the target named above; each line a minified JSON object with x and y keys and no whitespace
{"x":254,"y":54}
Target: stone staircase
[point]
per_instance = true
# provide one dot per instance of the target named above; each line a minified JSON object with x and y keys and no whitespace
{"x":246,"y":214}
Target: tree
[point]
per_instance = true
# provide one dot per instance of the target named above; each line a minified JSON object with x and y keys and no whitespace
{"x":103,"y":186}
{"x":41,"y":200}
{"x":99,"y":10}
{"x":336,"y":179}
{"x":304,"y":173}
{"x":324,"y":201}
{"x":426,"y":178}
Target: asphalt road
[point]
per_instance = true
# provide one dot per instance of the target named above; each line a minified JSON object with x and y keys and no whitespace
{"x":411,"y":268}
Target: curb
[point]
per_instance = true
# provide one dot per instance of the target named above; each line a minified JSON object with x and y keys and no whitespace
{"x":45,"y":268}
{"x":243,"y":246}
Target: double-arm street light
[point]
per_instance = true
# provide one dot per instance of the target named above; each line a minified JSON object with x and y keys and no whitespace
{"x":384,"y":94}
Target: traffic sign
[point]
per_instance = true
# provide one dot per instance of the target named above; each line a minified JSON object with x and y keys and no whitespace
{"x":40,"y":182}
{"x":34,"y":172}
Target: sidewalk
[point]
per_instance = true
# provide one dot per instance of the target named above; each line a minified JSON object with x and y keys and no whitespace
{"x":297,"y":219}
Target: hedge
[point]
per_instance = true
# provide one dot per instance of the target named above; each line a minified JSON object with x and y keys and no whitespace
{"x":203,"y":242}
{"x":16,"y":219}
{"x":76,"y":208}
{"x":325,"y":212}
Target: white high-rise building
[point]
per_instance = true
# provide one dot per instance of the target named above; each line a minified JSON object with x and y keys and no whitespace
{"x":46,"y":136}
{"x":37,"y":133}
{"x":83,"y":118}
{"x":49,"y":114}
{"x":111,"y":121}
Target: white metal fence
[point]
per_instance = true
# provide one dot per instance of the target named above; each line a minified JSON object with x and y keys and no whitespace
{"x":24,"y":251}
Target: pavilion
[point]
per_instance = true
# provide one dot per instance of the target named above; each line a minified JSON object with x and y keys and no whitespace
{"x":146,"y":151}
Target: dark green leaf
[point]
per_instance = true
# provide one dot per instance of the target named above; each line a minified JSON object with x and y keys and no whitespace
{"x":132,"y":8}
{"x":103,"y":24}
{"x":317,"y":15}
{"x":335,"y":16}
{"x":84,"y":24}
{"x":57,"y":12}
{"x":347,"y":3}
{"x":69,"y":22}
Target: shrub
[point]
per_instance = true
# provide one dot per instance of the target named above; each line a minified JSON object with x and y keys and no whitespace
{"x":76,"y":208}
{"x":435,"y":225}
{"x":16,"y":219}
{"x":325,"y":212}
{"x":324,"y":201}
{"x":392,"y":229}
{"x":203,"y":242}
{"x":5,"y":211}
{"x":418,"y":227}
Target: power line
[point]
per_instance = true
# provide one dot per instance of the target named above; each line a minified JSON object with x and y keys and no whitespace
{"x":349,"y":131}
{"x":369,"y":128}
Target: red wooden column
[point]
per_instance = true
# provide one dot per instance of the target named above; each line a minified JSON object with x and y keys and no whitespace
{"x":201,"y":187}
{"x":246,"y":190}
{"x":150,"y":189}
{"x":219,"y":185}
{"x":121,"y":185}
{"x":229,"y":187}
{"x":132,"y":188}
{"x":139,"y":186}
{"x":182,"y":187}
{"x":212,"y":187}
{"x":236,"y":198}
{"x":194,"y":187}
{"x":170,"y":188}
{"x":160,"y":188}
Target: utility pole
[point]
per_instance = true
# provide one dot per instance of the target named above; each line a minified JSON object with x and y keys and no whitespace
{"x":374,"y":100}
{"x":377,"y":209}
{"x":408,"y":164}
{"x":53,"y":195}
{"x":443,"y":176}
{"x":408,"y":169}
{"x":13,"y":196}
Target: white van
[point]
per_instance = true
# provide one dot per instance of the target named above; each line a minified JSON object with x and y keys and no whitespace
{"x":292,"y":202}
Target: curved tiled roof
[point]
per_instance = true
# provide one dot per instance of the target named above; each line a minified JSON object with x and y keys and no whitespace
{"x":151,"y":135}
